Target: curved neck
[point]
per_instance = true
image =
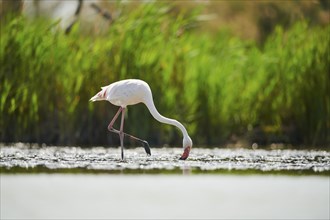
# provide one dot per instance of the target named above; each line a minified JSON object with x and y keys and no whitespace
{"x":151,"y":106}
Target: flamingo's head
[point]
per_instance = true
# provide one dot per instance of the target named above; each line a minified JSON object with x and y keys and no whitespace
{"x":187,"y":145}
{"x":100,"y":96}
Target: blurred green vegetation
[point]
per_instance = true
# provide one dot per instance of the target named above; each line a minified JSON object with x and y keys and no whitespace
{"x":223,"y":88}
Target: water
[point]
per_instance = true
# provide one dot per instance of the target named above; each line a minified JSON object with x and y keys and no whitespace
{"x":52,"y":183}
{"x":100,"y":159}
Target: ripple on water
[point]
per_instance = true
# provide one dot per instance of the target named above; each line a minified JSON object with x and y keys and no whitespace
{"x":100,"y":158}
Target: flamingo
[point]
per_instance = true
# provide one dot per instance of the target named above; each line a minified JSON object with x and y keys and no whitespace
{"x":130,"y":92}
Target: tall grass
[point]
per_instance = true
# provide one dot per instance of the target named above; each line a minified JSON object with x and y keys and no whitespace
{"x":222,"y":88}
{"x":279,"y":93}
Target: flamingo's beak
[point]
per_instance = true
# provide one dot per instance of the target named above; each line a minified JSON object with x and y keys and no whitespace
{"x":185,"y":153}
{"x":95,"y":98}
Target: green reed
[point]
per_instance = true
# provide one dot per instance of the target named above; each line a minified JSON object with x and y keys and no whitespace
{"x":221,"y":87}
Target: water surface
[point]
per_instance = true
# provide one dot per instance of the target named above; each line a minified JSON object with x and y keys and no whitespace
{"x":249,"y":195}
{"x":21,"y":157}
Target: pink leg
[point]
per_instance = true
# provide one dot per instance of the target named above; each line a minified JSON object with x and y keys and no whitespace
{"x":121,"y":133}
{"x":111,"y":129}
{"x":114,"y":118}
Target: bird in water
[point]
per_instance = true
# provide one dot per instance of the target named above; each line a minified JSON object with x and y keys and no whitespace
{"x":131,"y":92}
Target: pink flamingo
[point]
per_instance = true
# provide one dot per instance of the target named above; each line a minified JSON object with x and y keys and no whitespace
{"x":131,"y":92}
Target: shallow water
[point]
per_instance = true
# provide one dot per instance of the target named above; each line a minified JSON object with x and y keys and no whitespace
{"x":22,"y":157}
{"x":103,"y":196}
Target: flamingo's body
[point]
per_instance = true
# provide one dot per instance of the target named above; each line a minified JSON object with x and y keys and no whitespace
{"x":131,"y":92}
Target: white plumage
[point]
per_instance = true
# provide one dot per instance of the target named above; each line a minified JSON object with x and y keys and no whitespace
{"x":131,"y":92}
